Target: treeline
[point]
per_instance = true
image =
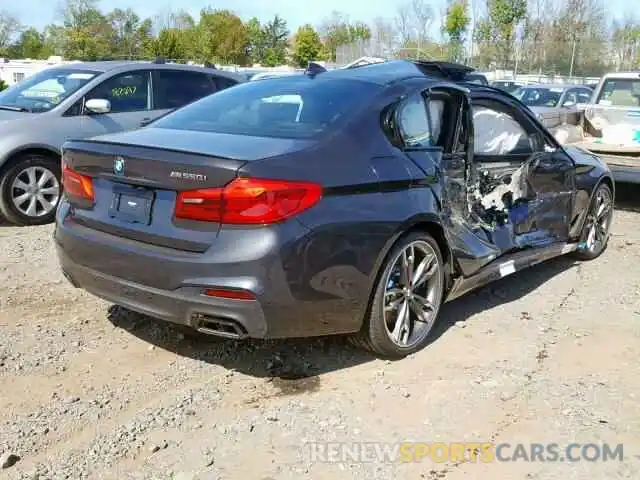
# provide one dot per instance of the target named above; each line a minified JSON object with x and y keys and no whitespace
{"x":217,"y":36}
{"x":536,"y":36}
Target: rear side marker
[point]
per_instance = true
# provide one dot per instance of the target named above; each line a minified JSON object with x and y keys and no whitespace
{"x":232,"y":294}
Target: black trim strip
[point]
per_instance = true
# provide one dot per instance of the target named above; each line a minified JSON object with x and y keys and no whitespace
{"x":378,"y":187}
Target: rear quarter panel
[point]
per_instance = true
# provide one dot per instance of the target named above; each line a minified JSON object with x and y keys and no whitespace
{"x":368,"y":202}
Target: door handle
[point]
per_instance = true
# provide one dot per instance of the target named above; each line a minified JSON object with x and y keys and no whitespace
{"x":145,"y":121}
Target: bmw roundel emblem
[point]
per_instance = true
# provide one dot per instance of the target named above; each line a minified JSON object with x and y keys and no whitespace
{"x":118,"y":166}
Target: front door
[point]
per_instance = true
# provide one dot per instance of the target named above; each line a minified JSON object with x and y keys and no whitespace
{"x":129,"y":95}
{"x":525,"y":184}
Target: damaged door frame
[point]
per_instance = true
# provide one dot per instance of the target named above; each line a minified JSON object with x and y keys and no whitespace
{"x":545,"y":178}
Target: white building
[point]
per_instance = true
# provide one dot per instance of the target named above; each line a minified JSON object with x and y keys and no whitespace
{"x":14,"y":71}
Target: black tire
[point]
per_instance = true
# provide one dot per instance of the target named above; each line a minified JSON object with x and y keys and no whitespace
{"x":587,"y":252}
{"x":8,"y":208}
{"x":374,"y":335}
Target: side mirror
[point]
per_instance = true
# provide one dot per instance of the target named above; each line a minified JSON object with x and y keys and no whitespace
{"x":98,"y":105}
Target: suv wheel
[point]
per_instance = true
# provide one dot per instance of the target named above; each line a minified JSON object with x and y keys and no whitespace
{"x":30,"y":190}
{"x":407,"y":298}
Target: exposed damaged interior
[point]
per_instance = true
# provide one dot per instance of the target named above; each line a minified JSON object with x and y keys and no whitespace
{"x":504,"y":191}
{"x":495,"y":197}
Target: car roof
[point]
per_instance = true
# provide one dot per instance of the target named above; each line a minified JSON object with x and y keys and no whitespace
{"x":379,"y":73}
{"x":125,"y":65}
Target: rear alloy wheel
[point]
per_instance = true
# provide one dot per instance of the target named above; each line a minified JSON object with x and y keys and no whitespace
{"x":407,"y":299}
{"x":595,"y":233}
{"x":30,"y":191}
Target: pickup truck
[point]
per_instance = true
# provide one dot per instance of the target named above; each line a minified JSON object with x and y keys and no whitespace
{"x":611,"y":125}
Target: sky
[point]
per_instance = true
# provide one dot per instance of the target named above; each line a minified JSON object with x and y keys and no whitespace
{"x":39,"y":13}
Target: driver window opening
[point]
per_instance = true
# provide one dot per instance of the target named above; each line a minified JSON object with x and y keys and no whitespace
{"x":498,"y":133}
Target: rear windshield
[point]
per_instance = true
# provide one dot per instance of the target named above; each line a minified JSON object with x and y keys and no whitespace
{"x":287,"y":107}
{"x":618,"y":92}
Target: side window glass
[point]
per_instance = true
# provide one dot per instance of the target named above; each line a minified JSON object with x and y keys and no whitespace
{"x":174,"y":89}
{"x":584,"y":96}
{"x":127,"y":92}
{"x":413,"y":122}
{"x":436,"y":117}
{"x":570,"y":99}
{"x":497,"y":133}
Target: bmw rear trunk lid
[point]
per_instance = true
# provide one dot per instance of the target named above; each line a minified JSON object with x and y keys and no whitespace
{"x":137,"y":175}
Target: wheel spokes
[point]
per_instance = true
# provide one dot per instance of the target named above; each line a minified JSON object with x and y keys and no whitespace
{"x":413,"y":288}
{"x":401,"y":328}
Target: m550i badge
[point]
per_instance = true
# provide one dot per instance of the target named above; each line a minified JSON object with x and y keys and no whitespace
{"x":189,"y":176}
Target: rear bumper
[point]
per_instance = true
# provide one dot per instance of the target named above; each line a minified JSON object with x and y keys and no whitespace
{"x":185,"y":305}
{"x":169,"y":284}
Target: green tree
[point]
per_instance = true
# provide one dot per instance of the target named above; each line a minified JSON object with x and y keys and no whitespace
{"x":88,"y":35}
{"x":9,"y":26}
{"x":127,"y":34}
{"x":256,"y":41}
{"x":170,"y":44}
{"x":30,"y":44}
{"x":307,"y":45}
{"x":455,"y":25}
{"x":276,"y":35}
{"x":497,"y":30}
{"x":337,"y":30}
{"x":222,"y":37}
{"x":3,"y":85}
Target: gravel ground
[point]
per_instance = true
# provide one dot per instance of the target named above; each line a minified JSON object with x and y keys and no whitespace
{"x":88,"y":390}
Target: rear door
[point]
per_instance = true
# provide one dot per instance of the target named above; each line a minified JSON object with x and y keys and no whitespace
{"x":435,"y":128}
{"x":525,"y":183}
{"x":176,"y":88}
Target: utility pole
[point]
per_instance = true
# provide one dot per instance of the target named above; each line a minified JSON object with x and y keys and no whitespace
{"x":573,"y":56}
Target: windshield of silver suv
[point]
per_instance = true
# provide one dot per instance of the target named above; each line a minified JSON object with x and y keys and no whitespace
{"x":44,"y":90}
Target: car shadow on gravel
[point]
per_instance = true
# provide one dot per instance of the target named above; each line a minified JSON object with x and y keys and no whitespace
{"x":286,"y":360}
{"x":296,"y":363}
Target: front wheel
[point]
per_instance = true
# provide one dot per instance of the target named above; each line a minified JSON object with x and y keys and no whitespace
{"x":407,"y":298}
{"x":595,"y":233}
{"x":30,"y":190}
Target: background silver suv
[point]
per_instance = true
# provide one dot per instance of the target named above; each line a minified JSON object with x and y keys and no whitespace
{"x":82,"y":100}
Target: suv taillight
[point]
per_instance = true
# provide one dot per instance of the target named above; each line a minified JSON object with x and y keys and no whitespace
{"x":77,"y":185}
{"x":248,"y":201}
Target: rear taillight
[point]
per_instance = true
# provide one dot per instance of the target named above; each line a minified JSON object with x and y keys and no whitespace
{"x":248,"y":201}
{"x":77,"y":185}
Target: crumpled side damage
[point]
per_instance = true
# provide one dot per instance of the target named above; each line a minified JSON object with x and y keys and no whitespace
{"x":503,"y":204}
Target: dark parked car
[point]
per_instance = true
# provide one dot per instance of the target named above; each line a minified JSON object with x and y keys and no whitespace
{"x":478,"y":78}
{"x":81,"y":100}
{"x":347,"y":201}
{"x":507,"y":85}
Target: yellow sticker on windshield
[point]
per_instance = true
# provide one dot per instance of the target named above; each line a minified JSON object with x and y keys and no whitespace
{"x":123,"y":91}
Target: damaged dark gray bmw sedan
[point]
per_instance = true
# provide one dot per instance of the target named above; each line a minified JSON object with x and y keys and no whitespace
{"x":350,"y":201}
